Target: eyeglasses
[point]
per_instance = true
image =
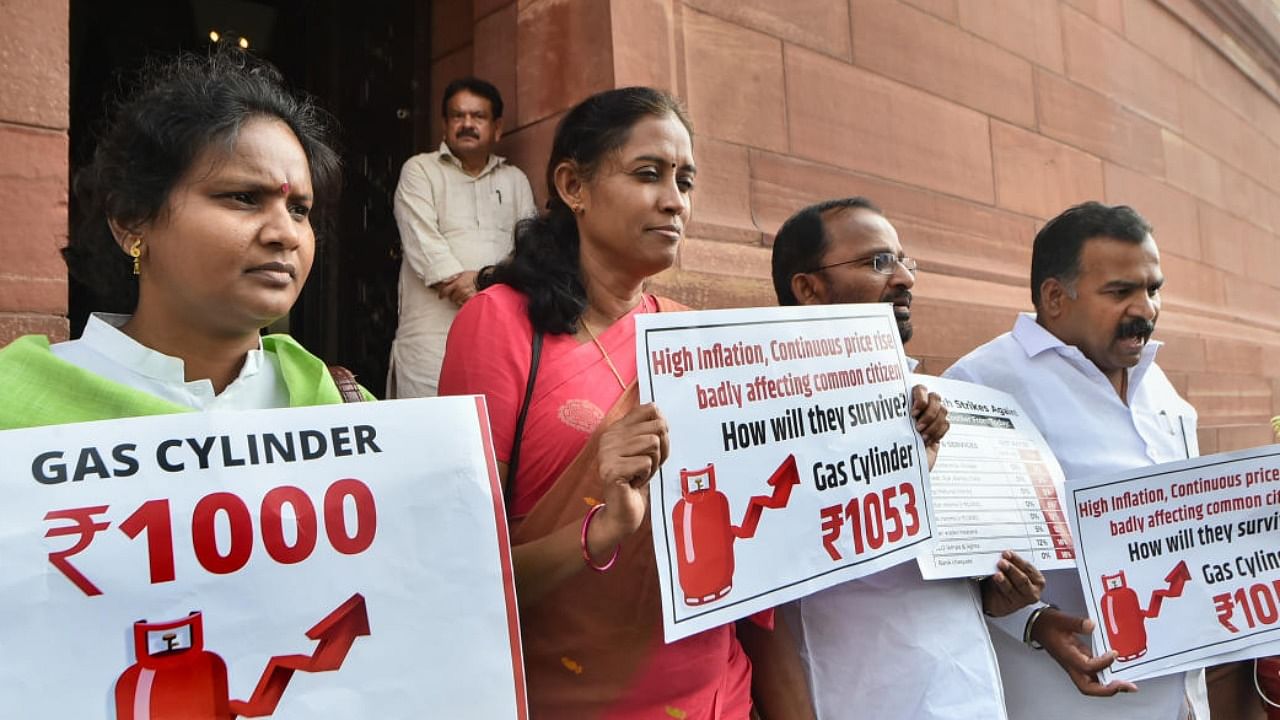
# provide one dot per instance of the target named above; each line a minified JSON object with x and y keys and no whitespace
{"x":885,"y":263}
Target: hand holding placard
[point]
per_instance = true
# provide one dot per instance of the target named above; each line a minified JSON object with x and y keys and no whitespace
{"x":931,"y":419}
{"x":1060,"y":633}
{"x":1015,"y":585}
{"x":630,"y":452}
{"x":820,"y":394}
{"x":995,"y":489}
{"x":1201,"y":531}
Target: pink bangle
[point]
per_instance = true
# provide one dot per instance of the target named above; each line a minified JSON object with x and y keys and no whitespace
{"x":586,"y":552}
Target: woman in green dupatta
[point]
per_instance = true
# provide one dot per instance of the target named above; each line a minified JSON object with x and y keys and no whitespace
{"x":198,"y":206}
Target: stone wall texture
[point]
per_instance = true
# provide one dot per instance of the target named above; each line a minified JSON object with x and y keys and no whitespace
{"x":970,"y":122}
{"x":34,"y":79}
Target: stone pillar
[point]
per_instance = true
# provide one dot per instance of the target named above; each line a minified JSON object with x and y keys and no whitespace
{"x":34,"y":80}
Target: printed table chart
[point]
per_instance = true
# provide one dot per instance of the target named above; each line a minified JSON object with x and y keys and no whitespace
{"x":996,"y":486}
{"x":989,"y":499}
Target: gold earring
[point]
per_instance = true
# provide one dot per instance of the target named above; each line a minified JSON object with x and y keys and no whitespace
{"x":135,"y":252}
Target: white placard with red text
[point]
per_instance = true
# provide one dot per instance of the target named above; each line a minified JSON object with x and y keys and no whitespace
{"x":995,"y":486}
{"x":794,"y":460}
{"x":1179,"y":562}
{"x":183,"y":566}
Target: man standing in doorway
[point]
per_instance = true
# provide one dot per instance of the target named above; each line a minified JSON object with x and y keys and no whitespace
{"x":456,"y":209}
{"x":890,"y":645}
{"x":1083,"y":367}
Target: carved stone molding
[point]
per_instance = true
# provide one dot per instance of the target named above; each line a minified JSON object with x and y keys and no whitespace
{"x":1246,"y":32}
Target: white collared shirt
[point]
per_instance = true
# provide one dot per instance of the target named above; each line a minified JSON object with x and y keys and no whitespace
{"x":449,"y":221}
{"x":893,"y":645}
{"x":106,"y":351}
{"x":1092,"y":432}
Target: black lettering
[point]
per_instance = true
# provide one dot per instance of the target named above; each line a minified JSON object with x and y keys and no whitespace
{"x":341,"y":441}
{"x":273,"y":447}
{"x":313,"y":444}
{"x":162,"y":456}
{"x":229,"y":460}
{"x":90,"y":462}
{"x":47,"y":473}
{"x":364,"y":439}
{"x":203,"y":449}
{"x":128,"y":464}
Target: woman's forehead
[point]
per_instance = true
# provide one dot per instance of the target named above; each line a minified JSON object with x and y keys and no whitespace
{"x":661,"y":137}
{"x":264,"y":148}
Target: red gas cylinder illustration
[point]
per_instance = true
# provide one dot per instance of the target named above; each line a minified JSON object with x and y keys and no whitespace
{"x":704,"y":537}
{"x":705,"y":534}
{"x":1123,"y":616}
{"x":174,"y":678}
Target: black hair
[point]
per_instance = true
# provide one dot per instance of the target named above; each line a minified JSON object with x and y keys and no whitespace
{"x":179,"y":107}
{"x":1056,"y":253}
{"x":802,"y":241}
{"x":475,"y":85}
{"x":544,"y":264}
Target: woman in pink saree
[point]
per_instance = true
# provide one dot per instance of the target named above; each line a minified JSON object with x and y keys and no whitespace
{"x":577,"y":466}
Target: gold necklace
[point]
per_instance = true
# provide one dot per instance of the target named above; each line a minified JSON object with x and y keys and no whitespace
{"x":604,"y":353}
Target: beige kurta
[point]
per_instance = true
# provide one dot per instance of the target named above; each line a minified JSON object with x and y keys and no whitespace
{"x":449,"y":222}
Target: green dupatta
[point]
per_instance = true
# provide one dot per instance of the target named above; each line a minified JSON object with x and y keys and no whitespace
{"x":39,"y":388}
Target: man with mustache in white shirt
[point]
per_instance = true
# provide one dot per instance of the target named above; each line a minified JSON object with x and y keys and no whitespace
{"x":456,"y":209}
{"x":1083,"y":367}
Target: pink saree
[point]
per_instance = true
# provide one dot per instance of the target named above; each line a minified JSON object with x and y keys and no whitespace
{"x":593,"y":648}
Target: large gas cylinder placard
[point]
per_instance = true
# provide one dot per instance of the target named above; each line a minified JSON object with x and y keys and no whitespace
{"x":344,"y":561}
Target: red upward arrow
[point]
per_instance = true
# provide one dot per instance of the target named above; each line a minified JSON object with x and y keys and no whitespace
{"x":336,"y":634}
{"x":783,"y":479}
{"x":1176,"y":578}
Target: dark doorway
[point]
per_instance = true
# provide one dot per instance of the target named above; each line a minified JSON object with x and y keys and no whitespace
{"x":367,"y":63}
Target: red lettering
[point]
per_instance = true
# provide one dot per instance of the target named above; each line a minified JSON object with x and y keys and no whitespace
{"x":273,"y":525}
{"x":153,"y":516}
{"x":204,"y":538}
{"x":335,"y":521}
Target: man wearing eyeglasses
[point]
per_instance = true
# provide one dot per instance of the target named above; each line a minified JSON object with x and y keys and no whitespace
{"x":889,"y":645}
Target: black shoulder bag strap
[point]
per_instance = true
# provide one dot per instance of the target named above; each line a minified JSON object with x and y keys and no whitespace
{"x":514,"y":462}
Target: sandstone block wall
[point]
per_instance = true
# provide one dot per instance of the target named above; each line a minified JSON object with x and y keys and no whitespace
{"x":34,"y":79}
{"x":970,"y":121}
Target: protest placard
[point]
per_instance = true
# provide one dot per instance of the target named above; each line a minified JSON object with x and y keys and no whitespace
{"x":794,"y":460}
{"x":1179,"y":563}
{"x":996,"y":486}
{"x":345,"y":561}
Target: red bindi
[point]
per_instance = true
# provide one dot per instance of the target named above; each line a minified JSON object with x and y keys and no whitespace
{"x":284,"y":188}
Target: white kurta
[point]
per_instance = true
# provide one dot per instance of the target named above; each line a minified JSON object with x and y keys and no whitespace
{"x":103,"y":350}
{"x":1092,"y":432}
{"x":449,"y":222}
{"x":893,"y":645}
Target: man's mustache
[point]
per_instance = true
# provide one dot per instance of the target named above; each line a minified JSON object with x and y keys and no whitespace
{"x":1135,"y":327}
{"x":901,"y":295}
{"x":468,"y":132}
